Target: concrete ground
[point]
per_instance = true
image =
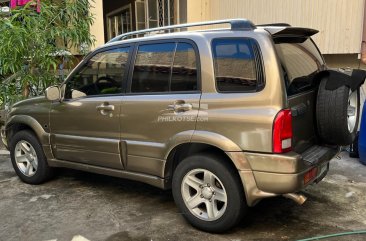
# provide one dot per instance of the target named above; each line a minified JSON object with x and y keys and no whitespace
{"x":83,"y":206}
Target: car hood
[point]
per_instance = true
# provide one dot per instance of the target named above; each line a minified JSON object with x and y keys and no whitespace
{"x":30,"y":102}
{"x":33,"y":107}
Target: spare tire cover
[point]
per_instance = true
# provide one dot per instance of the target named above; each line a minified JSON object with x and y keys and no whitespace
{"x":337,"y":113}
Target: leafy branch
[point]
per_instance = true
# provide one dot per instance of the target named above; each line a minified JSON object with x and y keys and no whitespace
{"x":34,"y":45}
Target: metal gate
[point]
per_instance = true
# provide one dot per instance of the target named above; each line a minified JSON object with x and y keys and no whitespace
{"x":156,"y":13}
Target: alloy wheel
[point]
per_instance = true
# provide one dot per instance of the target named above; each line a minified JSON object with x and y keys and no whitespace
{"x":204,"y":194}
{"x":352,"y":111}
{"x":26,"y":158}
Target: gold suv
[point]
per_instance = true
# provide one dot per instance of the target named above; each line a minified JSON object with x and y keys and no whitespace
{"x":223,"y":117}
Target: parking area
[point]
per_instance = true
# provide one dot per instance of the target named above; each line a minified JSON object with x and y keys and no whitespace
{"x":98,"y":207}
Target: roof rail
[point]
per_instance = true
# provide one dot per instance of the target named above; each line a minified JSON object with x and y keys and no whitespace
{"x":274,"y":25}
{"x":236,"y":24}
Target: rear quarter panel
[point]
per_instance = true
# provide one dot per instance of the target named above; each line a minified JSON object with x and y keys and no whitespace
{"x":244,"y":118}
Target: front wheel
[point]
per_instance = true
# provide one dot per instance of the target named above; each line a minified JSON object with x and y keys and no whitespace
{"x":28,"y":159}
{"x":209,"y":193}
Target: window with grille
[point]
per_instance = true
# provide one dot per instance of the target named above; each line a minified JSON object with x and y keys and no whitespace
{"x":119,"y":21}
{"x":156,"y":13}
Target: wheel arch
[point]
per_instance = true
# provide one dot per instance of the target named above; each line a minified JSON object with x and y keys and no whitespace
{"x":193,"y":142}
{"x":183,"y":150}
{"x":22,"y":122}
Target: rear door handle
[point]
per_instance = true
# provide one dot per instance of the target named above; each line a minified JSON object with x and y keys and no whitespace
{"x":184,"y":107}
{"x":105,"y":108}
{"x":180,"y":107}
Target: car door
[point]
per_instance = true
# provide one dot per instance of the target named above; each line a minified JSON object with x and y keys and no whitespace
{"x":85,"y":125}
{"x":162,"y":101}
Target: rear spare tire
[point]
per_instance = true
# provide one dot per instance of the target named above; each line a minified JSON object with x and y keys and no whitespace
{"x":337,"y":114}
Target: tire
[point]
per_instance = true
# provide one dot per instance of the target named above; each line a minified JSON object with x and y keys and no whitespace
{"x":354,"y":148}
{"x":24,"y":146}
{"x":224,"y":180}
{"x":332,"y":117}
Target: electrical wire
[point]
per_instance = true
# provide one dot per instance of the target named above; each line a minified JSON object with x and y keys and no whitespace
{"x":334,"y":235}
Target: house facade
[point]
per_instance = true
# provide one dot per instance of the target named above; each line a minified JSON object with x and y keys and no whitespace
{"x":340,"y":22}
{"x":117,"y":17}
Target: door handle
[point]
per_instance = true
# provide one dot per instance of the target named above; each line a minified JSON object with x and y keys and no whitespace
{"x":105,"y":108}
{"x":180,"y":107}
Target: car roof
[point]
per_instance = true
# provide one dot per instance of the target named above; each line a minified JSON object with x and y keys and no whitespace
{"x":163,"y":33}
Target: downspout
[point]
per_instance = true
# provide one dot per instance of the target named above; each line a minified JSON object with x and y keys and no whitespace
{"x":363,"y":44}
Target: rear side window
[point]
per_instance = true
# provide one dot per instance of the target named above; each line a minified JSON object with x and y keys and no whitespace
{"x":165,"y":67}
{"x":300,"y":61}
{"x":235,"y":65}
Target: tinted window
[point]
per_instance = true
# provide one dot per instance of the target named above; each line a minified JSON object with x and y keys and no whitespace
{"x":103,"y":74}
{"x":300,"y":62}
{"x":235,"y":67}
{"x":152,"y":69}
{"x":184,"y":76}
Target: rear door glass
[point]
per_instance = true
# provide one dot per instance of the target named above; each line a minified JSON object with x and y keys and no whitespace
{"x":165,"y":67}
{"x":152,"y":69}
{"x":184,"y":75}
{"x":300,"y":61}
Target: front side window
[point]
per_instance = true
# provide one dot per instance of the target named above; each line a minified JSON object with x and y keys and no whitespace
{"x":235,"y":65}
{"x":103,"y":74}
{"x":165,"y":67}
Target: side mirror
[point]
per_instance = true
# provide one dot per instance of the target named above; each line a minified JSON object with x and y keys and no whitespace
{"x":53,"y":93}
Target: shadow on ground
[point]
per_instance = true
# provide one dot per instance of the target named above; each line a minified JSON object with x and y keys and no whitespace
{"x":105,"y":208}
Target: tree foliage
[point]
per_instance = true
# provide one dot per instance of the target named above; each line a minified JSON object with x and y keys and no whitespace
{"x":33,"y":45}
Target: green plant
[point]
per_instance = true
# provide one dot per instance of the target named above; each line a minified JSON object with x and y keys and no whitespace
{"x":33,"y":45}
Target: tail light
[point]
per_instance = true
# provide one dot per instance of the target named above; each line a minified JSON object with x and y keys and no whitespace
{"x":310,"y":175}
{"x":282,"y":132}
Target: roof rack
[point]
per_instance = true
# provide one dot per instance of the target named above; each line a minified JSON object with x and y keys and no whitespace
{"x":236,"y":24}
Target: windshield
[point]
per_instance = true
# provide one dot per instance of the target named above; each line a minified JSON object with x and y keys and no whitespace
{"x":300,"y":60}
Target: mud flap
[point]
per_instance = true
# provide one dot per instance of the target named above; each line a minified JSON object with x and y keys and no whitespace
{"x":322,"y":173}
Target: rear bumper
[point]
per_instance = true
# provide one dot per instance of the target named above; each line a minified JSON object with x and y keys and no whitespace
{"x":269,"y":175}
{"x":282,"y":183}
{"x":281,"y":174}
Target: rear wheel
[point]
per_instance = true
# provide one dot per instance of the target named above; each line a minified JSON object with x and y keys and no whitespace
{"x":209,"y":193}
{"x":337,"y":114}
{"x":28,"y":159}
